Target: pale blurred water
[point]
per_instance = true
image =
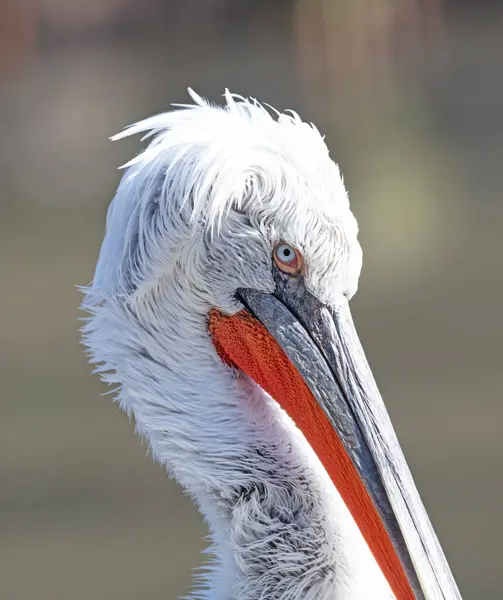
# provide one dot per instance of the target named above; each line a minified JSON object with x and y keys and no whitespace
{"x":83,"y":513}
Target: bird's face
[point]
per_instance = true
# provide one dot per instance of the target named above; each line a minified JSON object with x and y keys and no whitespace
{"x":259,"y":244}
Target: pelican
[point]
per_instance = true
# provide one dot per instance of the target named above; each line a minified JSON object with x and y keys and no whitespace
{"x":219,"y":311}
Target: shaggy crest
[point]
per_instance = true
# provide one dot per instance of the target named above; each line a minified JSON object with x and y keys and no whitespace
{"x":203,"y":161}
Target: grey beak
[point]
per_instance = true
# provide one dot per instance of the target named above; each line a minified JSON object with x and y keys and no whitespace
{"x":322,"y":343}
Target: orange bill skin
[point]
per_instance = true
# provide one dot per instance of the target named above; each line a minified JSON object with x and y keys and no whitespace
{"x":244,"y":343}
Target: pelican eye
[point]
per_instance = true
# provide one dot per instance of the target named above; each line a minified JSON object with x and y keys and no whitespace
{"x":288,"y":259}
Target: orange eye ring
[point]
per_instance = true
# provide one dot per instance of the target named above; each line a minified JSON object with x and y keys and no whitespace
{"x":288,"y":259}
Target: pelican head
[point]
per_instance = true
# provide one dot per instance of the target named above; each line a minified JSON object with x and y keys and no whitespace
{"x":220,"y":308}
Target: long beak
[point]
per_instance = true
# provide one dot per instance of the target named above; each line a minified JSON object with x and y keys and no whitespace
{"x":308,"y":357}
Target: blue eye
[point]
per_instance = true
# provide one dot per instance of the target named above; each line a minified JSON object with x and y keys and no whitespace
{"x":287,"y":258}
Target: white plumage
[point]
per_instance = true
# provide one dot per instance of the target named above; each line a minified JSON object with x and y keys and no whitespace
{"x":195,"y":217}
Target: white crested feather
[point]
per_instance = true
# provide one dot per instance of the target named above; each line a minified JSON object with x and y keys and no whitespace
{"x":203,"y":161}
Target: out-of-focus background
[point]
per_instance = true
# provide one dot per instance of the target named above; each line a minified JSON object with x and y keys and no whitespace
{"x":410,"y":96}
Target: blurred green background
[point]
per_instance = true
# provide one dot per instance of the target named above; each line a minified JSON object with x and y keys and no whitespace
{"x":410,"y":96}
